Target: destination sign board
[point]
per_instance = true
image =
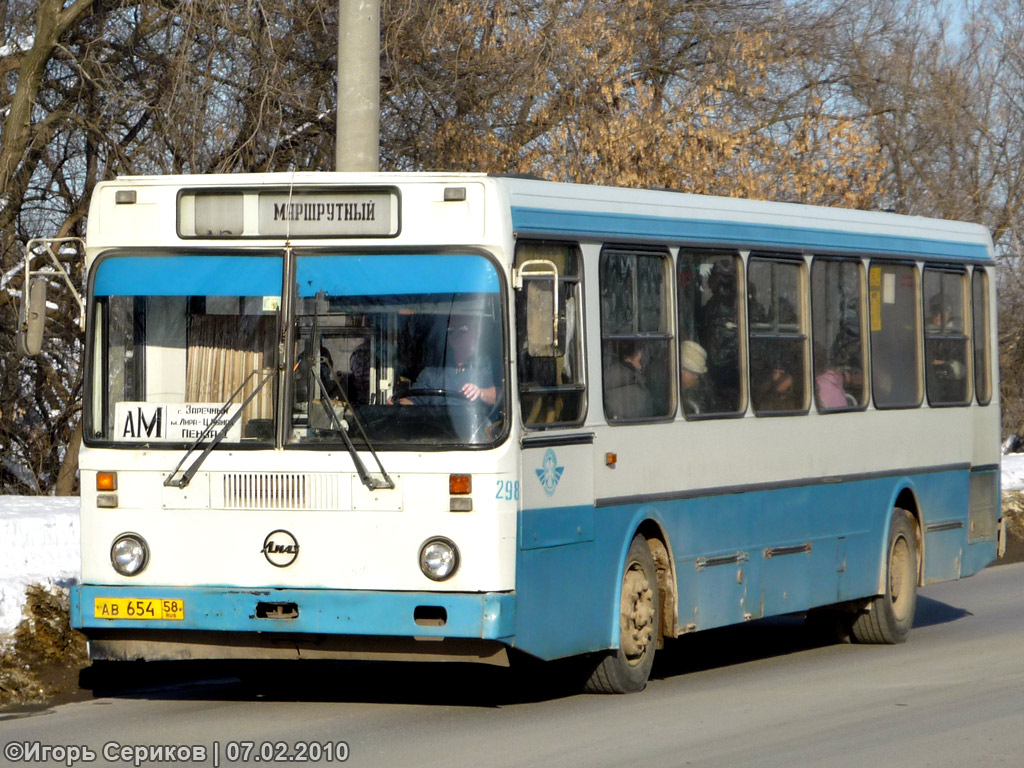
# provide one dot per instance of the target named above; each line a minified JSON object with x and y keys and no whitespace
{"x":288,"y":213}
{"x":172,"y":422}
{"x":313,"y":214}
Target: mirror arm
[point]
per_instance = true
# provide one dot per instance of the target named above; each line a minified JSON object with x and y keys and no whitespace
{"x":48,"y":243}
{"x":545,"y":268}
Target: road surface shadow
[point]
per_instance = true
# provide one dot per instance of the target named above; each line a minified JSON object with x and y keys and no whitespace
{"x":457,"y":684}
{"x":931,"y":612}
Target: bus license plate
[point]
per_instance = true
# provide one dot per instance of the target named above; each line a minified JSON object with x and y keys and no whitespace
{"x":167,"y":609}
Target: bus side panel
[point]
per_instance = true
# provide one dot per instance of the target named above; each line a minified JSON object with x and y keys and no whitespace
{"x":944,"y":499}
{"x":567,"y":597}
{"x":565,"y":600}
{"x":739,"y":556}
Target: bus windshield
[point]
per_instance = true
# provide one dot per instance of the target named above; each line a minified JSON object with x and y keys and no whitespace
{"x":174,"y":337}
{"x":409,"y":346}
{"x":408,"y":349}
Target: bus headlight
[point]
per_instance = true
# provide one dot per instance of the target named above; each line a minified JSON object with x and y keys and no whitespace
{"x":439,"y":558}
{"x":129,"y":554}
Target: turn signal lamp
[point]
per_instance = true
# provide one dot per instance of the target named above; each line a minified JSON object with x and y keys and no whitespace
{"x":106,"y":481}
{"x":460,"y":484}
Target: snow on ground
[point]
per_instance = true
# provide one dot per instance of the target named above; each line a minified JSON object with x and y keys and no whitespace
{"x":1013,"y":472}
{"x":39,"y":535}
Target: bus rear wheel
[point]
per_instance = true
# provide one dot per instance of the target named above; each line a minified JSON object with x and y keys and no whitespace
{"x":626,"y":669}
{"x":890,"y":615}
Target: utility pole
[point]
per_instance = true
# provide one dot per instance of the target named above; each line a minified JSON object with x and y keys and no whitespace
{"x":357,"y":146}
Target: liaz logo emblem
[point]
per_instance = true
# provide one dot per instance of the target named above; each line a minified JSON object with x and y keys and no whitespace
{"x":280,"y":548}
{"x":550,"y":473}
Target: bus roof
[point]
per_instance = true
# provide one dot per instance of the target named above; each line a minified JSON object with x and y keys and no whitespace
{"x":539,"y":208}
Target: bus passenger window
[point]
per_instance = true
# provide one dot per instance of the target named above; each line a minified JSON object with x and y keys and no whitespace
{"x":552,"y":390}
{"x":837,"y":323}
{"x":895,"y":353}
{"x":709,"y":332}
{"x":979,"y":328}
{"x":778,"y":335}
{"x":945,"y":338}
{"x":636,"y":339}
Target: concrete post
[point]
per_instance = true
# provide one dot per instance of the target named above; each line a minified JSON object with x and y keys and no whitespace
{"x":357,"y":146}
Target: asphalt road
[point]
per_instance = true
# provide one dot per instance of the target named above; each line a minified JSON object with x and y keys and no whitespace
{"x":760,"y":695}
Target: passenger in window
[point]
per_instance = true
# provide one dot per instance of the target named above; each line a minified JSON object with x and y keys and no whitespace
{"x":778,"y":391}
{"x":693,"y":366}
{"x":833,"y":387}
{"x":625,"y":387}
{"x":948,"y":380}
{"x":718,"y":331}
{"x":774,"y":382}
{"x":359,"y":364}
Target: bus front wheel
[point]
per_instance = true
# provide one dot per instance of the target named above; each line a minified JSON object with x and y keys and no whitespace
{"x":626,"y":669}
{"x":890,"y":615}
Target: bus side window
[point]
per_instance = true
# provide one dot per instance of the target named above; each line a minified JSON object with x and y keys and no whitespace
{"x":945,"y":338}
{"x":710,"y":367}
{"x":778,"y":335}
{"x":552,"y":390}
{"x":636,"y":335}
{"x":837,"y":324}
{"x":979,"y":328}
{"x":895,"y":320}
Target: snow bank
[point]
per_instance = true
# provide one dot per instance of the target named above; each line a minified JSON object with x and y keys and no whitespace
{"x":1013,"y":472}
{"x":39,"y":535}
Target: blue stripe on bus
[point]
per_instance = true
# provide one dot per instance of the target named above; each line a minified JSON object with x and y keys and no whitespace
{"x":488,"y":616}
{"x":189,"y":276}
{"x":379,"y":275}
{"x":543,"y":221}
{"x":391,"y":275}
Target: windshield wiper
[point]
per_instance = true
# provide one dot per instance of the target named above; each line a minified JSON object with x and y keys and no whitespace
{"x":370,"y":482}
{"x":186,"y":476}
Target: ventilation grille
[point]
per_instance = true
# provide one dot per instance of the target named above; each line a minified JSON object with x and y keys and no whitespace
{"x":280,"y":490}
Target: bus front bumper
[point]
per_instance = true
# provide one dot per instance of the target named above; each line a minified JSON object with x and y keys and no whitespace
{"x":129,"y":622}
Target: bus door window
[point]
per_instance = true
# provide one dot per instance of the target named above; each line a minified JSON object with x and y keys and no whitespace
{"x":895,"y":323}
{"x":837,"y":321}
{"x":979,"y":329}
{"x":552,"y":390}
{"x":709,"y":331}
{"x":778,"y":335}
{"x":945,"y":337}
{"x":636,"y":335}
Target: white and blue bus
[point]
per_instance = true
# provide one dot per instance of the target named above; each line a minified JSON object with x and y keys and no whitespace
{"x":440,"y":417}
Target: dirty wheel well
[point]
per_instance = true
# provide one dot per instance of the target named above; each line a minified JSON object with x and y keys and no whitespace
{"x":656,"y":541}
{"x":906,"y":500}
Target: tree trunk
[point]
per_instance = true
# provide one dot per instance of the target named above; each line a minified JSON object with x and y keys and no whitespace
{"x":66,"y":478}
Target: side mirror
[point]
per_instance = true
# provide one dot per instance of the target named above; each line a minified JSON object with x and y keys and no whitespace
{"x":545,"y":322}
{"x":31,"y":318}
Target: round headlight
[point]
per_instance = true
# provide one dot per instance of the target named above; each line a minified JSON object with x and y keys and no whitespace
{"x":439,"y":558}
{"x":129,"y":554}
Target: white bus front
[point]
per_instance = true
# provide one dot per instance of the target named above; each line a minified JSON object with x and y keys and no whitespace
{"x":295,"y":452}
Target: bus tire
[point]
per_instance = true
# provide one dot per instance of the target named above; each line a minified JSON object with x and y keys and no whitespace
{"x":890,"y":615}
{"x":626,"y":669}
